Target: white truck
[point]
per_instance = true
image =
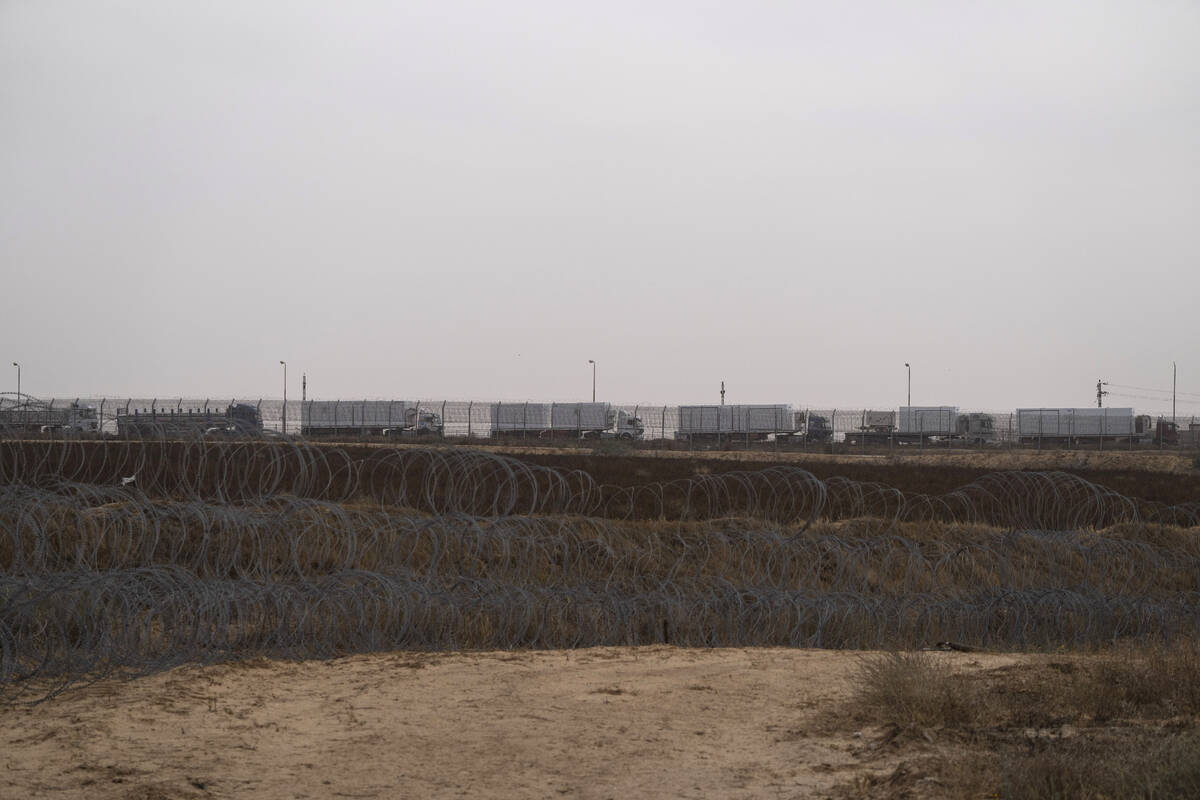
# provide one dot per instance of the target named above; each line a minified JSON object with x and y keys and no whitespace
{"x":564,"y":420}
{"x":36,"y":416}
{"x":1051,"y":425}
{"x":390,"y":418}
{"x":807,"y":426}
{"x":744,"y":422}
{"x":917,"y":424}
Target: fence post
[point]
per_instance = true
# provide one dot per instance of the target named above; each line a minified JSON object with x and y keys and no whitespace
{"x":663,"y":430}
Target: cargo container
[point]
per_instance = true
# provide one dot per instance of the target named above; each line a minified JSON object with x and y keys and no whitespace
{"x":746,"y":422}
{"x":236,"y":418}
{"x":1065,"y":424}
{"x":1050,"y":425}
{"x":368,"y":418}
{"x":564,"y":420}
{"x":928,"y":420}
{"x":921,"y":424}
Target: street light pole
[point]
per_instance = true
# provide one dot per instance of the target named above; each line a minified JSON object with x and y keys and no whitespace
{"x":284,"y":363}
{"x":18,"y":366}
{"x":593,"y":363}
{"x":909,"y":383}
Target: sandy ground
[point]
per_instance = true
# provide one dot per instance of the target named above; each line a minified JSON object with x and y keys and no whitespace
{"x":595,"y":723}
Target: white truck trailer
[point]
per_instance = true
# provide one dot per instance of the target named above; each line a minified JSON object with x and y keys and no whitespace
{"x":368,"y":418}
{"x":745,"y":422}
{"x":564,"y":420}
{"x":940,"y":421}
{"x":913,"y":425}
{"x":1049,"y":425}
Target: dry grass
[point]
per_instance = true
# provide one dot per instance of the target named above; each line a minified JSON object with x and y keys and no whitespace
{"x":1123,"y":723}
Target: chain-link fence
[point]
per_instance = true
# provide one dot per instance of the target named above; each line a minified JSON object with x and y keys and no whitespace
{"x":657,"y":426}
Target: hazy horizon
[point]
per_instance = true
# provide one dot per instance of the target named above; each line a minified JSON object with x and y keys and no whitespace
{"x":469,"y":201}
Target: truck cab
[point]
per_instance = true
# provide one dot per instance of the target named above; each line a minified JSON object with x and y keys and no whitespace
{"x":1160,"y":431}
{"x":623,"y":425}
{"x":81,"y":419}
{"x":418,"y":422}
{"x":976,"y":428}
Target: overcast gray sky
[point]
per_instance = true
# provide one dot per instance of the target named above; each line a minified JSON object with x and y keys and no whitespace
{"x":470,"y":200}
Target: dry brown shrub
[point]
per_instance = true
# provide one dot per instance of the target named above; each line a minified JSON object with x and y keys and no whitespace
{"x":914,"y":689}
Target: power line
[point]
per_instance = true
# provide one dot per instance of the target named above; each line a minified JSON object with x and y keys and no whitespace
{"x":1155,"y":399}
{"x":1148,"y":389}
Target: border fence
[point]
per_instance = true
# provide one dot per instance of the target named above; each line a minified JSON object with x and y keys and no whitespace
{"x":776,"y":427}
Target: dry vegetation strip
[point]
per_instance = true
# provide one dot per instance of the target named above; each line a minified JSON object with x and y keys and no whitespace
{"x":1121,"y":723}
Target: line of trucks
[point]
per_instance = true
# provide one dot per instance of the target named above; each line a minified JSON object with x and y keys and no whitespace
{"x":32,"y":416}
{"x":694,"y":423}
{"x":714,"y":423}
{"x":394,"y":418}
{"x":915,"y":424}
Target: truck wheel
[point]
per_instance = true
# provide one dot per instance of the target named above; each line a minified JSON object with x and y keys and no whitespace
{"x":625,"y":437}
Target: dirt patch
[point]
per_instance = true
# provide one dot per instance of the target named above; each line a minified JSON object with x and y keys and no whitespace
{"x":595,"y":723}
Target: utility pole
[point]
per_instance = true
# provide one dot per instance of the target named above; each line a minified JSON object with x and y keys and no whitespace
{"x":593,"y":363}
{"x":284,"y":414}
{"x":1174,"y":375}
{"x":909,"y":368}
{"x":1100,"y":392}
{"x":722,"y":392}
{"x":303,"y":387}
